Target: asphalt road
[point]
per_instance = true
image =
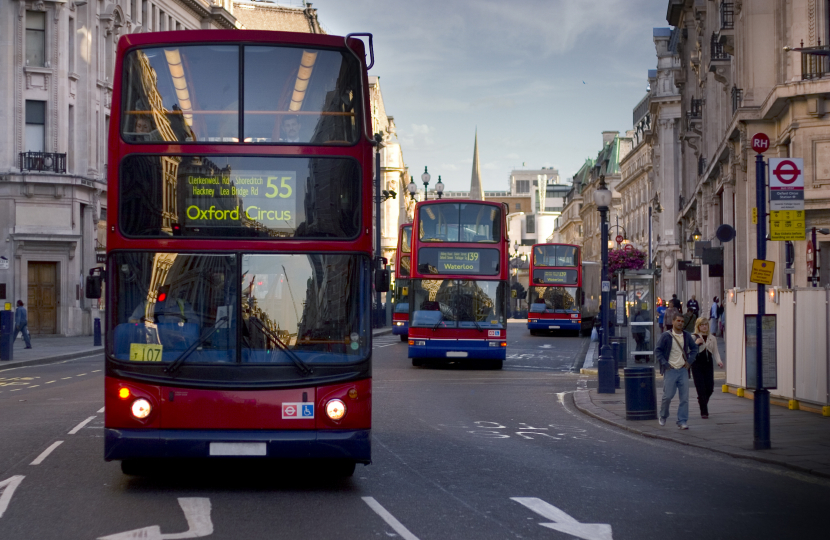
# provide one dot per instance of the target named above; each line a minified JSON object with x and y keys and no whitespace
{"x":458,"y":453}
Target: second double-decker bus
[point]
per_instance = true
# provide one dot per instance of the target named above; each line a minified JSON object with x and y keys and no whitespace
{"x":458,"y":289}
{"x":400,"y":316}
{"x":239,"y":249}
{"x":564,"y":291}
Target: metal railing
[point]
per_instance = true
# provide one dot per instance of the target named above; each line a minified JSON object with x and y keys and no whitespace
{"x":696,"y":110}
{"x":727,"y":15}
{"x":815,"y":62}
{"x":716,"y":49}
{"x":701,"y":165}
{"x":737,"y":97}
{"x":43,"y":161}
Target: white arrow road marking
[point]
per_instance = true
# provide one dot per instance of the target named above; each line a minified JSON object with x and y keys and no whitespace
{"x":10,"y":485}
{"x":196,"y":512}
{"x":564,"y":522}
{"x":390,"y":520}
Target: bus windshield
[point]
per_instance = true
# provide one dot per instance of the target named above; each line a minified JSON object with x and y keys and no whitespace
{"x":459,"y":222}
{"x":290,"y":95}
{"x":239,"y":196}
{"x":554,"y":255}
{"x":253,"y":309}
{"x":554,"y":300}
{"x":453,"y":303}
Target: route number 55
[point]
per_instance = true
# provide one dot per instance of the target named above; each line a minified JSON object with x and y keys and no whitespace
{"x":274,"y":191}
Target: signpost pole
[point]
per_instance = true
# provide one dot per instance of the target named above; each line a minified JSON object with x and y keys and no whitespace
{"x":761,"y":397}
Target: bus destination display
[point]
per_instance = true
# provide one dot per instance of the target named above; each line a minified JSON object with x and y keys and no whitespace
{"x":458,"y":261}
{"x":554,"y":277}
{"x":236,"y":199}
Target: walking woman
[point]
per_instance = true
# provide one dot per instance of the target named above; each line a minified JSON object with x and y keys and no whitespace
{"x":703,"y":368}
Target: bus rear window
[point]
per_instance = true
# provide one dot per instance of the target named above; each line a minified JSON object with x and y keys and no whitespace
{"x":290,"y":95}
{"x":554,"y":256}
{"x":239,"y":196}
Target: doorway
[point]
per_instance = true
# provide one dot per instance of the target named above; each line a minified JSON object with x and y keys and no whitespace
{"x":43,"y":297}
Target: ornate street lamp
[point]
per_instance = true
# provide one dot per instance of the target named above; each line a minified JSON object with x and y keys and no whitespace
{"x":606,"y":365}
{"x":425,"y":179}
{"x":412,"y":187}
{"x":439,"y":187}
{"x":696,"y":236}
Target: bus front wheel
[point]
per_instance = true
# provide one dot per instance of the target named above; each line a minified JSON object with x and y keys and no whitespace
{"x":404,"y":337}
{"x":496,"y":364}
{"x":417,"y":362}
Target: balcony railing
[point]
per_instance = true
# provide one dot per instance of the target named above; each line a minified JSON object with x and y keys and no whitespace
{"x":737,"y":97}
{"x":716,"y":49}
{"x":815,"y":62}
{"x":727,"y":15}
{"x":701,"y":165}
{"x":43,"y":161}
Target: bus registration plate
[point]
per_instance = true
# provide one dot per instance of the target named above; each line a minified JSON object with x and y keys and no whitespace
{"x":456,"y":354}
{"x":553,"y":328}
{"x":237,"y":449}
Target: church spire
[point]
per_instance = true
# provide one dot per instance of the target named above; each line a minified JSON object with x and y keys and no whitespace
{"x":476,"y":190}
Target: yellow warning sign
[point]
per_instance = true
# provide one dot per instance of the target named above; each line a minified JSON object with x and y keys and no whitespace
{"x":755,"y":216}
{"x":762,"y":271}
{"x":787,"y":225}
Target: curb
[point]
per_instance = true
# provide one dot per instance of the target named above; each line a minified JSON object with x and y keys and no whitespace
{"x":582,"y":407}
{"x":381,"y":332}
{"x":51,"y":359}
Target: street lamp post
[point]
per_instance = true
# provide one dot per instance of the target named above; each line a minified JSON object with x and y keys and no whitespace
{"x":412,"y":187}
{"x":606,"y":365}
{"x":439,"y":187}
{"x":425,"y":179}
{"x":655,"y":206}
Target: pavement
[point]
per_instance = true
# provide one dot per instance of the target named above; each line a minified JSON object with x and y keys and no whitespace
{"x":800,"y":439}
{"x":49,"y":349}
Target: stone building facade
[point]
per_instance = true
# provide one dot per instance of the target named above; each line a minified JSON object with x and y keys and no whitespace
{"x":745,"y":68}
{"x":269,"y":16}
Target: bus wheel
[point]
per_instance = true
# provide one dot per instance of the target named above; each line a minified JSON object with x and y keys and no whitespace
{"x":417,"y":362}
{"x":496,"y":364}
{"x":343,"y":469}
{"x":404,"y":337}
{"x":134,"y":467}
{"x":534,"y":332}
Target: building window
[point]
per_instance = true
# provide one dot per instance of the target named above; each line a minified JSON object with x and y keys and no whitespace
{"x":530,"y":224}
{"x":35,"y":38}
{"x":35,"y":126}
{"x":522,"y":186}
{"x":518,"y":206}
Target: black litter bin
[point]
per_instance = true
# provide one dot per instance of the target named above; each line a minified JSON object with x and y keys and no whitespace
{"x":640,"y":393}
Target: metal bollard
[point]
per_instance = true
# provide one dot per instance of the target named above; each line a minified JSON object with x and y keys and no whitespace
{"x":96,"y":332}
{"x":6,"y":335}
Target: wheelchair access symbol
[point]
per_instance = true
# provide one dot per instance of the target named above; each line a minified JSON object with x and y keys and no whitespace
{"x":292,"y":411}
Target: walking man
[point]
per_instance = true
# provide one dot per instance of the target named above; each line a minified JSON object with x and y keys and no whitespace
{"x":21,"y":324}
{"x":675,"y":353}
{"x":694,"y":306}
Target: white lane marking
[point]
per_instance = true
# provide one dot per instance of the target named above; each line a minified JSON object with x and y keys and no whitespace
{"x":34,"y":386}
{"x":95,"y":370}
{"x":565,"y":523}
{"x":81,"y":375}
{"x":390,"y":520}
{"x":196,"y":512}
{"x":560,"y":397}
{"x":50,"y":382}
{"x":64,"y":378}
{"x":8,"y":486}
{"x":43,"y":455}
{"x":80,"y":426}
{"x":100,"y":410}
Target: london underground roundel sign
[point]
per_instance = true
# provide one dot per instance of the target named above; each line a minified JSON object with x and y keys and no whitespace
{"x":760,"y":142}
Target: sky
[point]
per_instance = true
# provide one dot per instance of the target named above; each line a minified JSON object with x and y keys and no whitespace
{"x":539,"y":80}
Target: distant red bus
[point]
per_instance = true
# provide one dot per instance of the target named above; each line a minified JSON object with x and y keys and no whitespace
{"x":400,"y":316}
{"x":564,"y":290}
{"x":238,"y":258}
{"x":458,"y":290}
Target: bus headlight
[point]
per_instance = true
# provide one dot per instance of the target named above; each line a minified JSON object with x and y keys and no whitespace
{"x":335,"y":409}
{"x":141,"y":408}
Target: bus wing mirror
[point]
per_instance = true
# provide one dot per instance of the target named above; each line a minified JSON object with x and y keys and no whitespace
{"x":382,"y":279}
{"x":93,"y":286}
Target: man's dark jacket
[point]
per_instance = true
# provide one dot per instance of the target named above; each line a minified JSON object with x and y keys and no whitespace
{"x":664,"y":345}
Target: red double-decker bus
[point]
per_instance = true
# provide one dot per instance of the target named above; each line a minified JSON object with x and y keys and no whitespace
{"x":458,"y":288}
{"x":564,"y":290}
{"x":400,"y":316}
{"x":239,"y":249}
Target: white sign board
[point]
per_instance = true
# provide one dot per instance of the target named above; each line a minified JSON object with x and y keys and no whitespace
{"x":786,"y":184}
{"x":4,"y":263}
